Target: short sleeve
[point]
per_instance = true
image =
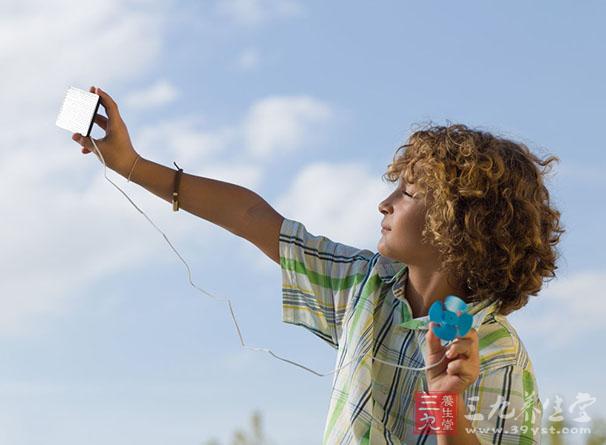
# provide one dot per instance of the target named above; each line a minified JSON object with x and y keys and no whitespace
{"x":503,"y":407}
{"x":319,"y":279}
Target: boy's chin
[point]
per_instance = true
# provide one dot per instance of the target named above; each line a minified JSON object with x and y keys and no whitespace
{"x":388,"y":253}
{"x":383,"y":250}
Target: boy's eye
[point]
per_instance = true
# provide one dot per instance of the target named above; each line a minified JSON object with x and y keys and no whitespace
{"x":407,"y":194}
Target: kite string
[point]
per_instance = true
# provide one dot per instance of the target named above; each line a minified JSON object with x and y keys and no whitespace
{"x":228,"y":301}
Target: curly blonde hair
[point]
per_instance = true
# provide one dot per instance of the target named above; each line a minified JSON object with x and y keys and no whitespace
{"x":488,"y":210}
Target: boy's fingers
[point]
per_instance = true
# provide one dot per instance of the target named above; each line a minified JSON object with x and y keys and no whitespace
{"x":109,"y":104}
{"x":459,"y":346}
{"x":466,"y":370}
{"x":85,"y":142}
{"x":101,"y":121}
{"x":457,"y":367}
{"x":434,"y":346}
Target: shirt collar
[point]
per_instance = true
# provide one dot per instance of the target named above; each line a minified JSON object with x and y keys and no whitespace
{"x":389,"y":270}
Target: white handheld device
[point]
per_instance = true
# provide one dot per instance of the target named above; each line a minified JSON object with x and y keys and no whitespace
{"x":78,"y":111}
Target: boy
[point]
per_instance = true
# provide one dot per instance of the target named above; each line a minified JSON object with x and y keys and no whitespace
{"x":470,"y":217}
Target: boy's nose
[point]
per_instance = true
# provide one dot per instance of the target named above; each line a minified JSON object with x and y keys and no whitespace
{"x":384,"y":207}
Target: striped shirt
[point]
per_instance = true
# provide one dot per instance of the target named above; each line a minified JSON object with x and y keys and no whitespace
{"x":354,"y":300}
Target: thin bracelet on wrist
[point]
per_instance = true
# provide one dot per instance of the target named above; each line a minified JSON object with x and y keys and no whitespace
{"x":132,"y":168}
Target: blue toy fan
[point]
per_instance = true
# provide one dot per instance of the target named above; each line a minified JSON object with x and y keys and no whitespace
{"x":451,"y":318}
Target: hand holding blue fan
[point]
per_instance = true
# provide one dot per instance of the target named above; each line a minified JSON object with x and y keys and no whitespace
{"x":450,"y":318}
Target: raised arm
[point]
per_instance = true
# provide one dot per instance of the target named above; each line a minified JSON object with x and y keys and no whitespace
{"x":235,"y":208}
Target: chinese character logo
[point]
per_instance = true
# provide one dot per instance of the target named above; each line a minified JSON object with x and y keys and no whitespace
{"x":435,"y":412}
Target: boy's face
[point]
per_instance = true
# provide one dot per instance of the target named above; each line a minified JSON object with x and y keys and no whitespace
{"x":404,"y":215}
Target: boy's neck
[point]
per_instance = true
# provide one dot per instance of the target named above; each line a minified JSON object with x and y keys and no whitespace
{"x":422,"y":289}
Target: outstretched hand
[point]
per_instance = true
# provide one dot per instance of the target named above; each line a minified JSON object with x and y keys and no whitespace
{"x":116,"y":146}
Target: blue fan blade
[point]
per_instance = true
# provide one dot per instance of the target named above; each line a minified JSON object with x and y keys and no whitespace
{"x":435,"y":312}
{"x":464,"y":324}
{"x":445,"y":331}
{"x":455,"y":304}
{"x":450,"y":318}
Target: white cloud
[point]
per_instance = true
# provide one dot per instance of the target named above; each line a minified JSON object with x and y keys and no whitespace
{"x":282,"y":124}
{"x":254,"y":12}
{"x":271,"y":126}
{"x":160,"y":93}
{"x":183,"y":139}
{"x":570,"y":309}
{"x":343,"y":206}
{"x":50,"y":46}
{"x":65,"y":230}
{"x":69,"y":235}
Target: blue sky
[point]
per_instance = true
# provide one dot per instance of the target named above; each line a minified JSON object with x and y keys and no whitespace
{"x":103,"y":340}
